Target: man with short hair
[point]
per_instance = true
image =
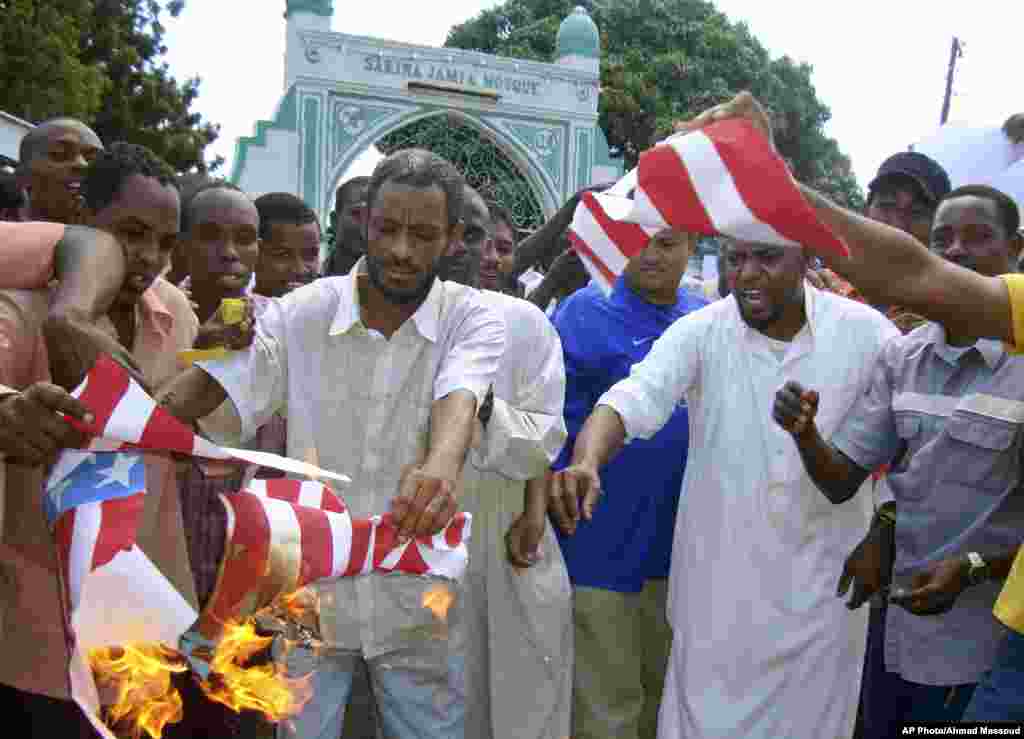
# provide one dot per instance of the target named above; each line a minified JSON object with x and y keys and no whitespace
{"x":348,"y":222}
{"x":380,"y":372}
{"x":888,"y":266}
{"x":289,"y":247}
{"x":517,"y":597}
{"x":761,"y":646}
{"x":953,"y":499}
{"x":53,"y":158}
{"x":498,"y":260}
{"x":129,"y":193}
{"x":618,"y":563}
{"x":221,"y":246}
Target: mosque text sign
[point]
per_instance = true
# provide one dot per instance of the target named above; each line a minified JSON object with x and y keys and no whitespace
{"x":427,"y":71}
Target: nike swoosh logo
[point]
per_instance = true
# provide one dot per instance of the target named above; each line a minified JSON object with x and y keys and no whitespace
{"x":638,"y":342}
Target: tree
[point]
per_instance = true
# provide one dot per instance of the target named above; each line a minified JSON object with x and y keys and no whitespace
{"x":102,"y":61}
{"x":665,"y":60}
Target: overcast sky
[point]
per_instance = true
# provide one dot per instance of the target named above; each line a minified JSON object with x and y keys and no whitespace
{"x":880,"y":65}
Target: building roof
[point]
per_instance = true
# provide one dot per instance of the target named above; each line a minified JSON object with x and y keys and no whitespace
{"x":578,"y":36}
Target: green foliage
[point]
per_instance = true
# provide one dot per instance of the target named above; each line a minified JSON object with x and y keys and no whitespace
{"x":666,"y":60}
{"x":102,"y":61}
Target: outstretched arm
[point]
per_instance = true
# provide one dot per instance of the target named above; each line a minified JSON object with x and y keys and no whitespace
{"x":889,"y":266}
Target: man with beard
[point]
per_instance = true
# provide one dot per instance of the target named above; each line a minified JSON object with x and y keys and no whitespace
{"x":53,"y":158}
{"x":517,"y":597}
{"x":128,"y":192}
{"x":960,"y":516}
{"x":380,"y":372}
{"x":348,"y":223}
{"x":888,"y":265}
{"x":761,"y":646}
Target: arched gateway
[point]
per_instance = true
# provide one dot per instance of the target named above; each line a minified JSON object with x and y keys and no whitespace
{"x":344,"y":93}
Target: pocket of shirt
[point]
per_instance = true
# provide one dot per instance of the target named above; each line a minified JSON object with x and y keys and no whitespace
{"x":983,"y":451}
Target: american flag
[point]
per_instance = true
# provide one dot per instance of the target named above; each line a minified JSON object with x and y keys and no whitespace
{"x":724,"y":179}
{"x":115,"y":594}
{"x":310,"y":523}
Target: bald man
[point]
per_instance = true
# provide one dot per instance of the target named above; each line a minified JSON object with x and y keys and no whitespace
{"x":53,"y":158}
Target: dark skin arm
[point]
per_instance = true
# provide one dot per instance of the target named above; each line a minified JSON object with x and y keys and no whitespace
{"x":427,"y":497}
{"x":89,"y":267}
{"x":191,"y":395}
{"x":522,"y":539}
{"x":835,"y":474}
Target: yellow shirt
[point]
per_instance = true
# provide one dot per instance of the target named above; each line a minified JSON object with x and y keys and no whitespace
{"x":1010,"y":606}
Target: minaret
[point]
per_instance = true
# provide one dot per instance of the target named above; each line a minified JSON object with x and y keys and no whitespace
{"x":303,"y":15}
{"x":578,"y":44}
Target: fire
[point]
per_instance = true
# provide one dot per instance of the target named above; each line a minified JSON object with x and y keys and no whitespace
{"x":261,"y":687}
{"x":135,"y":681}
{"x":438,"y":599}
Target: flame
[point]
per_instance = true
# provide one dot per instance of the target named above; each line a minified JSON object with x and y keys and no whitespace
{"x":136,"y":679}
{"x":264,"y":687}
{"x":438,"y":599}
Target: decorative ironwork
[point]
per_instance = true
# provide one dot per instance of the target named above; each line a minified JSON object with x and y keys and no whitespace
{"x":484,"y":165}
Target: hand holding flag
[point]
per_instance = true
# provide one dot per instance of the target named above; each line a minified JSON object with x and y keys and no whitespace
{"x":718,"y":175}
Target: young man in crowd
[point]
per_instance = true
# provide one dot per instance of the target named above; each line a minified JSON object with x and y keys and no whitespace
{"x":349,"y":226}
{"x":887,"y":266}
{"x":937,"y":405}
{"x":619,"y":561}
{"x":220,"y":247}
{"x":519,"y":653}
{"x":53,"y":158}
{"x":381,"y":371}
{"x":498,"y":260}
{"x":128,"y":193}
{"x":761,"y":646}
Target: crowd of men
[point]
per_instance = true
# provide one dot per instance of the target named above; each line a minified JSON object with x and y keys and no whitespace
{"x":674,"y":485}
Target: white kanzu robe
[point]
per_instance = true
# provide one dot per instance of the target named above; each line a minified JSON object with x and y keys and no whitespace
{"x":762,"y":647}
{"x":519,"y":622}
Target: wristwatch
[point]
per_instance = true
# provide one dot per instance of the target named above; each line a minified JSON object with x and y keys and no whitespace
{"x":978,"y":569}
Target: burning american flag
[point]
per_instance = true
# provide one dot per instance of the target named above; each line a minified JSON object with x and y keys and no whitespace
{"x":120,"y":605}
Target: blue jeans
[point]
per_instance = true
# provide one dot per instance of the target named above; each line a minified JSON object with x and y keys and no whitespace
{"x":1000,"y":695}
{"x":419,"y":692}
{"x":888,"y":701}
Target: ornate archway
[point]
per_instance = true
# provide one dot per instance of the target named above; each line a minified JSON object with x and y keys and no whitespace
{"x":536,"y":122}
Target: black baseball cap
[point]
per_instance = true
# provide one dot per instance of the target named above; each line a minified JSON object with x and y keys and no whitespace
{"x":925,"y":171}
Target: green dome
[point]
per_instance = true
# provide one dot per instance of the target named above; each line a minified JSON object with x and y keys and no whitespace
{"x":317,"y":7}
{"x":577,"y":36}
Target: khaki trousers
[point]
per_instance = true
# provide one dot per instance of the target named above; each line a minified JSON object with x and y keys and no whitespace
{"x":622,"y":645}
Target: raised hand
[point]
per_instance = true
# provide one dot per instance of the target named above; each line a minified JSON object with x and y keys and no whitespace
{"x":795,"y":408}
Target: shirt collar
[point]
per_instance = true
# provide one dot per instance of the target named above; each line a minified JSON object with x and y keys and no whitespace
{"x":991,"y":351}
{"x":426,"y":319}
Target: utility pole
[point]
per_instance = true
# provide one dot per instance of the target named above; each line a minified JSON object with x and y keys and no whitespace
{"x":955,"y":52}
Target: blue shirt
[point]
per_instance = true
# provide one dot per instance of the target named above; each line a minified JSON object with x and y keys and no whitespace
{"x":630,"y":536}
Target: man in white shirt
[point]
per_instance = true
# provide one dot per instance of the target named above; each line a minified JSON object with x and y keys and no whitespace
{"x":762,"y":647}
{"x":380,"y":373}
{"x":518,"y":599}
